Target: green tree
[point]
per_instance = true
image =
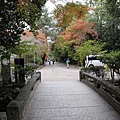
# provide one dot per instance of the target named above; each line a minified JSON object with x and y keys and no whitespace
{"x":111,"y":28}
{"x":107,"y":18}
{"x":78,"y":32}
{"x":89,"y":48}
{"x":10,"y":26}
{"x":47,"y":24}
{"x":13,"y":16}
{"x":112,"y":60}
{"x":62,"y":51}
{"x":24,"y":48}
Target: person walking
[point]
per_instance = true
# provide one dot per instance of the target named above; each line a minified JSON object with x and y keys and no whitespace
{"x":49,"y":61}
{"x":53,"y":61}
{"x":67,"y":62}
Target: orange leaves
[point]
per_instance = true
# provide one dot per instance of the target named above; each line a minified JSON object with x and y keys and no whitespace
{"x":40,"y":37}
{"x":69,"y":13}
{"x":77,"y":31}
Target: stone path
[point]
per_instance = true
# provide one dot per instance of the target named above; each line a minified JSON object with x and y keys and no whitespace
{"x":61,"y":96}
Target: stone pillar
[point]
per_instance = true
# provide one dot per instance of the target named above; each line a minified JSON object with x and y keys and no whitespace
{"x":13,"y":111}
{"x":5,"y":62}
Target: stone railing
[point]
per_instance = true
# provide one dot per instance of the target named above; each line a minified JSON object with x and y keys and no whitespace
{"x":17,"y":109}
{"x":107,"y":90}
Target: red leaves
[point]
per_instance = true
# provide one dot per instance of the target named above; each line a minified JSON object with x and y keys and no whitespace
{"x":39,"y":37}
{"x":77,"y":31}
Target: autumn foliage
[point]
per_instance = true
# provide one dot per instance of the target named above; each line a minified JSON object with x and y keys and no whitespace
{"x":75,"y":30}
{"x":70,"y":12}
{"x":72,"y":17}
{"x":78,"y":31}
{"x":40,"y":36}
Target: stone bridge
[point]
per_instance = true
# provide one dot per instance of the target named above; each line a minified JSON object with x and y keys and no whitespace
{"x":61,"y":96}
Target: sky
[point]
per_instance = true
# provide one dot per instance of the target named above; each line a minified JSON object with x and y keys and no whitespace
{"x":51,"y":6}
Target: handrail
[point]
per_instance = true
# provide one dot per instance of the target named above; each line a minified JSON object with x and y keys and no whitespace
{"x":17,"y":108}
{"x":108,"y":91}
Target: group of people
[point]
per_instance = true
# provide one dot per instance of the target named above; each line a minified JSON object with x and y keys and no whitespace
{"x":53,"y":61}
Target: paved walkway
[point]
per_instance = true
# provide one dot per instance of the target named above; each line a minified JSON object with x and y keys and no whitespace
{"x":61,"y":96}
